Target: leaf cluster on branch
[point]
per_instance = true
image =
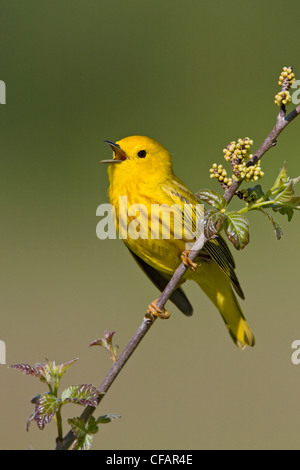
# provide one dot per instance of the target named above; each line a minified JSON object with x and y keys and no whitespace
{"x":48,"y":405}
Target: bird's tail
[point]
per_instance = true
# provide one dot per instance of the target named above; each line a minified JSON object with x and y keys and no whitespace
{"x":217,"y":287}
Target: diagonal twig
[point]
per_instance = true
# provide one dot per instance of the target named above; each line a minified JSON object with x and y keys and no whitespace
{"x":269,"y":142}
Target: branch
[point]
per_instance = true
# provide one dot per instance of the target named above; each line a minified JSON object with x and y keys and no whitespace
{"x":109,"y":379}
{"x":270,"y":141}
{"x":132,"y":345}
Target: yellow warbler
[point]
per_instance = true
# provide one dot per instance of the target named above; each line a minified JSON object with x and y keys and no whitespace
{"x":141,"y":170}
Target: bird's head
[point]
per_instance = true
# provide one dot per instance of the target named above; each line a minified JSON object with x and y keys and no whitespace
{"x":139,"y":157}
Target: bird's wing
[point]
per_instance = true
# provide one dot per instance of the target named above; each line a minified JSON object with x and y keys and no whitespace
{"x":217,"y":247}
{"x":219,"y":251}
{"x":160,"y":280}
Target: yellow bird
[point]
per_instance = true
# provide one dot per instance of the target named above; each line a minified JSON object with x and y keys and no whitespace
{"x":141,"y":170}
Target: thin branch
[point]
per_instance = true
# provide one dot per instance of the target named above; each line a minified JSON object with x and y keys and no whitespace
{"x":109,"y":379}
{"x":269,"y":142}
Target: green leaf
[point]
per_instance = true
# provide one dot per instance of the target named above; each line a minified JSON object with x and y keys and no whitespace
{"x":281,"y":179}
{"x":285,"y":210}
{"x":45,"y":408}
{"x":78,"y":426}
{"x":83,"y":435}
{"x":236,"y":227}
{"x":56,"y":371}
{"x":212,"y":198}
{"x":283,"y":187}
{"x":61,"y":369}
{"x":92,"y":427}
{"x":83,"y":442}
{"x":255,"y":193}
{"x":276,"y":226}
{"x":213,"y":222}
{"x":83,"y":439}
{"x":294,"y":202}
{"x":281,"y":198}
{"x":107,"y":418}
{"x":80,"y":394}
{"x":285,"y":203}
{"x":286,"y":194}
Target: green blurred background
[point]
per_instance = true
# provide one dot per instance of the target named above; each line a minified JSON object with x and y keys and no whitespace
{"x":194,"y":75}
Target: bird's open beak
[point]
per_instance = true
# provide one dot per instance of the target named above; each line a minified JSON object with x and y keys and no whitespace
{"x":119,"y":154}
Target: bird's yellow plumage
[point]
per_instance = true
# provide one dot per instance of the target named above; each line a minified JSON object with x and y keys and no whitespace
{"x":142,"y":171}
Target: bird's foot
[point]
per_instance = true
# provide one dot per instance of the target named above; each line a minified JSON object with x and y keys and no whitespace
{"x":154,"y":311}
{"x":187,"y":261}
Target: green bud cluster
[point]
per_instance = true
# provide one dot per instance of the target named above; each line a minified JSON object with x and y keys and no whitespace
{"x":286,"y":78}
{"x":250,"y":173}
{"x":217,"y":171}
{"x":237,"y":153}
{"x":283,"y":97}
{"x":246,"y":196}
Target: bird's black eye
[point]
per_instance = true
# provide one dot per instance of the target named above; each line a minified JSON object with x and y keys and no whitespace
{"x":142,"y":153}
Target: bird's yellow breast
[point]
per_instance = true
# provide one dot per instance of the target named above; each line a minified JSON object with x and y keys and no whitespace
{"x":137,"y":187}
{"x":142,"y":210}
